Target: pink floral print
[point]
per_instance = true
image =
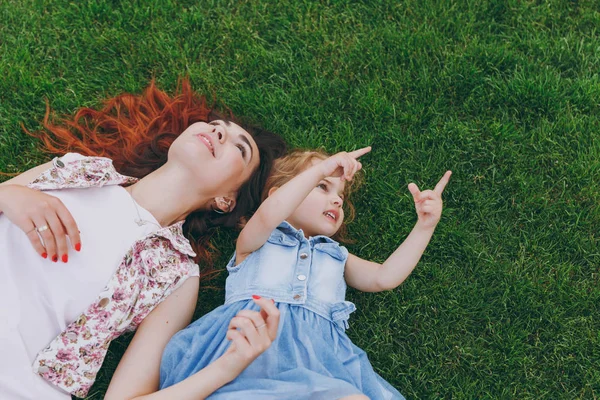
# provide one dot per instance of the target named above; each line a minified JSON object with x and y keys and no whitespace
{"x":152,"y":269}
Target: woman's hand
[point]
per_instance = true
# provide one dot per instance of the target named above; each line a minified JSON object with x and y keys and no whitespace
{"x":343,"y":164}
{"x":41,"y":215}
{"x":251,"y":333}
{"x":429,"y":202}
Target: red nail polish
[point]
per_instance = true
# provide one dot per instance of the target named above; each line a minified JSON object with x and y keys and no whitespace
{"x":256,"y":297}
{"x":45,"y":255}
{"x":65,"y":258}
{"x":78,"y":247}
{"x":54,"y":258}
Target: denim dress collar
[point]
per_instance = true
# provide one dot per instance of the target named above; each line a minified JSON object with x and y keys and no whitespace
{"x":293,"y":269}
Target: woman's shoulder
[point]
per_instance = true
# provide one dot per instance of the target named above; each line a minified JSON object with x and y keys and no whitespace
{"x":74,"y":170}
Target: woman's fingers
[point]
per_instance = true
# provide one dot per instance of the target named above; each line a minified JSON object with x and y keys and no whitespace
{"x":247,"y":327}
{"x":270,"y":314}
{"x":30,"y":209}
{"x":241,"y":345}
{"x":36,"y":242}
{"x":69,"y":224}
{"x":43,"y":230}
{"x":259,"y":324}
{"x":60,"y":238}
{"x":254,"y":316}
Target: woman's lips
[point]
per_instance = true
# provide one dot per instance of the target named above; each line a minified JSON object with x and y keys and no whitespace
{"x":207,"y":142}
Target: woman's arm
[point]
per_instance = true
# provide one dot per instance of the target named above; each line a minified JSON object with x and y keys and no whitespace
{"x":138,"y":370}
{"x":137,"y":376}
{"x":26,"y":177}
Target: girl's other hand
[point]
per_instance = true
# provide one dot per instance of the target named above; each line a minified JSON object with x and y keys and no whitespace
{"x":343,"y":164}
{"x":251,"y":333}
{"x":39,"y":214}
{"x":429,"y":202}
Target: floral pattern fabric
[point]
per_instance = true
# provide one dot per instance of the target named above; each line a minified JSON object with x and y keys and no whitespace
{"x":152,"y":269}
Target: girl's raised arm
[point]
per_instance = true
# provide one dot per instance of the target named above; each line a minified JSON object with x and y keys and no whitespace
{"x":369,"y":276}
{"x":280,"y":205}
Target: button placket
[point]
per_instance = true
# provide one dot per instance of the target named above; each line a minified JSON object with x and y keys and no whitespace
{"x":302,"y":266}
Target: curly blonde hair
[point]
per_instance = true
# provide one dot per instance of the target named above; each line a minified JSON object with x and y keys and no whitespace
{"x":296,"y":161}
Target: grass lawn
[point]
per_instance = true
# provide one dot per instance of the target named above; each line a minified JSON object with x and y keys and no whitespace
{"x":505,"y":302}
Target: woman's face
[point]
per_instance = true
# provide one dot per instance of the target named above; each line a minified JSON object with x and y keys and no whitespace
{"x":220,"y":155}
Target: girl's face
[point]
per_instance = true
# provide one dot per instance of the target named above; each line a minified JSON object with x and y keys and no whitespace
{"x":220,"y":155}
{"x":321,"y":211}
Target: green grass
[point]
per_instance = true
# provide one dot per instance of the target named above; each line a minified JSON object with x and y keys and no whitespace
{"x":506,"y":94}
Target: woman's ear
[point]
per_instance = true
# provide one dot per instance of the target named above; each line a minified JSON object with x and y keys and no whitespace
{"x":272,"y":190}
{"x":224,"y":205}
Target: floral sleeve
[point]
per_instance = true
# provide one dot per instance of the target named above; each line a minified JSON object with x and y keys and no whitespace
{"x":76,"y":171}
{"x":152,"y":269}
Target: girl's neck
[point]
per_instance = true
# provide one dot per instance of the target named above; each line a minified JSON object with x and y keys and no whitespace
{"x":168,"y":195}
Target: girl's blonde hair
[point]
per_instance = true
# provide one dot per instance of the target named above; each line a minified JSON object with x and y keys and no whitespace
{"x":296,"y":161}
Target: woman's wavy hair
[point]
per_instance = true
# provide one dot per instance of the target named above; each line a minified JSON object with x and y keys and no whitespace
{"x":136,"y":131}
{"x":298,"y":160}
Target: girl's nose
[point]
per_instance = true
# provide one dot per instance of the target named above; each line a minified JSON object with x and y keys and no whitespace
{"x":337,"y":200}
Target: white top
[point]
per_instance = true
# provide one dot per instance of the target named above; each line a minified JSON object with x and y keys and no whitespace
{"x":39,"y":298}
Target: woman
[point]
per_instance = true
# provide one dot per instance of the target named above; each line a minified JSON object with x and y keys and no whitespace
{"x":169,"y":170}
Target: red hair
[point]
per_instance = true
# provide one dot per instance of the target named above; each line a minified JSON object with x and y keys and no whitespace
{"x":136,"y":131}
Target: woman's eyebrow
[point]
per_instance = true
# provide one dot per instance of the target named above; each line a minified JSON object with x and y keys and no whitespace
{"x":243,"y":137}
{"x":245,"y":140}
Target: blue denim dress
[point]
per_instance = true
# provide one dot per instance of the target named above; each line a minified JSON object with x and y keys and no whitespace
{"x":312,"y":357}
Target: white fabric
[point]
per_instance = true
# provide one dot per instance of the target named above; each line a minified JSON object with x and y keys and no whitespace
{"x":39,"y":298}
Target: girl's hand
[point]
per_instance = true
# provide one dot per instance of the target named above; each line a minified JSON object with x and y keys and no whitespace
{"x":343,"y":164}
{"x":39,"y":214}
{"x":252,"y":333}
{"x":429,"y":202}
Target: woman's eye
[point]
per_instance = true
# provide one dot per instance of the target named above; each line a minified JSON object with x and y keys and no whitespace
{"x":242,"y":149}
{"x":322,"y":186}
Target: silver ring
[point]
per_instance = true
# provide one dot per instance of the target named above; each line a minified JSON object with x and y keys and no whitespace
{"x":42,"y":228}
{"x":260,"y":326}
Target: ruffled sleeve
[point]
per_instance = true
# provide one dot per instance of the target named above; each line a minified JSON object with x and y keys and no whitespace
{"x":74,"y":170}
{"x":152,"y":269}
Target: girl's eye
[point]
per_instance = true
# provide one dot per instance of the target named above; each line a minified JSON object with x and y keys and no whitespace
{"x":242,"y":149}
{"x":322,"y":186}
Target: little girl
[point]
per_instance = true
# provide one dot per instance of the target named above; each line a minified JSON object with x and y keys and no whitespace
{"x":285,"y":252}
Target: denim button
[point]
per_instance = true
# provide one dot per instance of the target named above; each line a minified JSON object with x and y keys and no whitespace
{"x":301,"y":277}
{"x":297,"y":297}
{"x":303,"y":256}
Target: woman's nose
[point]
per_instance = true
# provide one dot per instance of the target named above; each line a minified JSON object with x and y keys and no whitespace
{"x":220,"y":133}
